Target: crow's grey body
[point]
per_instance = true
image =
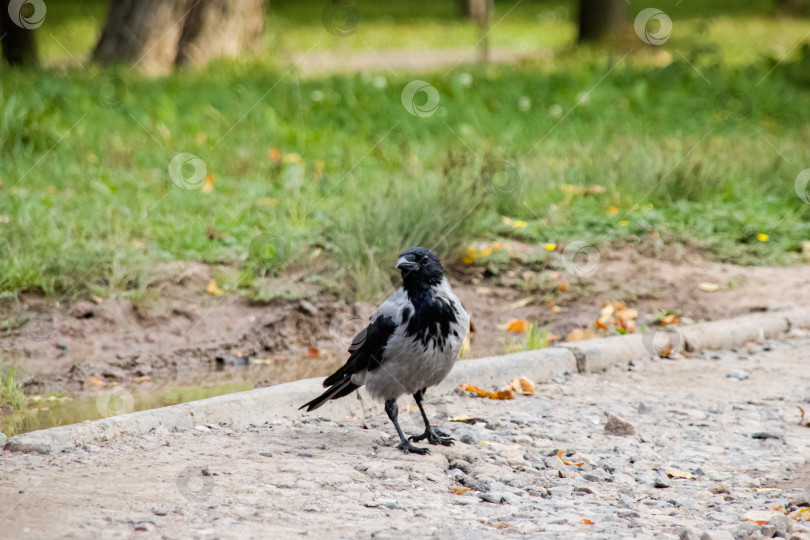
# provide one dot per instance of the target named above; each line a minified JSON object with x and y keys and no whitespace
{"x":410,"y":365}
{"x":410,"y":344}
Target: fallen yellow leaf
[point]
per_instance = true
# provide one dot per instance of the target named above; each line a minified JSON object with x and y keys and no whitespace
{"x":675,"y":473}
{"x":459,"y":490}
{"x":707,"y":286}
{"x":208,"y":185}
{"x":214,"y":289}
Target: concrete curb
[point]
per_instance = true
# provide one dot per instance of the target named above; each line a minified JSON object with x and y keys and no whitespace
{"x":266,"y":404}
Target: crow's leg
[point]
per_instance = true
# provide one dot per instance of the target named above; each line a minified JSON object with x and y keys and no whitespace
{"x":405,"y":445}
{"x":431,"y":436}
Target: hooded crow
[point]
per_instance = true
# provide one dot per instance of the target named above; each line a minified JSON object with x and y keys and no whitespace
{"x":411,"y":344}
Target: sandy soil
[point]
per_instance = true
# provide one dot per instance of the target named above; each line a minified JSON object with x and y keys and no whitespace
{"x":735,"y":447}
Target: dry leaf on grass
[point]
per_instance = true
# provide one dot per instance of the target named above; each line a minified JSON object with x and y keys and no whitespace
{"x":208,"y":185}
{"x":560,"y":453}
{"x":459,"y":490}
{"x":503,"y":393}
{"x":213,"y":288}
{"x":517,"y":326}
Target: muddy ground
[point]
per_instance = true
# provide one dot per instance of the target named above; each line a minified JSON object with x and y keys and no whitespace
{"x":180,"y":332}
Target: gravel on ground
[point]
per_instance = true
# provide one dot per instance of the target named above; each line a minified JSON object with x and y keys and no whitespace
{"x":684,"y":448}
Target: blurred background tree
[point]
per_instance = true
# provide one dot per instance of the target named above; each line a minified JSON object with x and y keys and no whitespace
{"x":19,"y":44}
{"x":160,"y":34}
{"x":600,"y":18}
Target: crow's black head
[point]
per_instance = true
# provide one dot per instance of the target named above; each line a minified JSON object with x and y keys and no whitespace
{"x":420,"y":266}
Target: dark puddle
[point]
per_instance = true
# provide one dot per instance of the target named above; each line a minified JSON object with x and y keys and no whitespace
{"x":46,"y":411}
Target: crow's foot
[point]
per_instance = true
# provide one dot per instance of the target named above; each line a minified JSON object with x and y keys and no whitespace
{"x":433,"y":438}
{"x":408,"y":448}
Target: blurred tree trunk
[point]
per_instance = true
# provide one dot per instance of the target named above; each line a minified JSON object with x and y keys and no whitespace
{"x":476,"y":10}
{"x":792,"y":7}
{"x":156,"y":35}
{"x":19,"y":44}
{"x":600,"y":18}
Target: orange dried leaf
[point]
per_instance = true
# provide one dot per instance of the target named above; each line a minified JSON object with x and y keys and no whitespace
{"x":503,"y":393}
{"x":459,"y":490}
{"x":586,"y":521}
{"x":600,"y":325}
{"x":526,"y":386}
{"x":313,"y":352}
{"x":669,"y":319}
{"x":565,"y":461}
{"x":475,"y":390}
{"x":563,"y":287}
{"x":96,"y":380}
{"x":517,"y":325}
{"x":514,"y":384}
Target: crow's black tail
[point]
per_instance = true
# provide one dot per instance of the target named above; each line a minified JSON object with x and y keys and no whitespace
{"x":342,"y":388}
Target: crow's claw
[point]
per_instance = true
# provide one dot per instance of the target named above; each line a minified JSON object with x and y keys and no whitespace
{"x":408,"y":448}
{"x":433,"y":438}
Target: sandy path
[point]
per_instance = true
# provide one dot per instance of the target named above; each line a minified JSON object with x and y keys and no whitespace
{"x":314,"y":477}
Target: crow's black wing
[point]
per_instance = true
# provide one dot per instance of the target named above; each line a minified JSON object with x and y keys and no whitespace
{"x":366,"y":353}
{"x":366,"y":349}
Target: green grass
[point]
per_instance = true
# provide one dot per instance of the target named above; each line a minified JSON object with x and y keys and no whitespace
{"x":10,"y":390}
{"x":87,"y":204}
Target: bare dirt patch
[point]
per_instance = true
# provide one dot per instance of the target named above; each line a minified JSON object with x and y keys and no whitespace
{"x":180,"y":331}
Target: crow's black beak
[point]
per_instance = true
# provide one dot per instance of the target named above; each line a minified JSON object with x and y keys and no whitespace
{"x":405,"y":264}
